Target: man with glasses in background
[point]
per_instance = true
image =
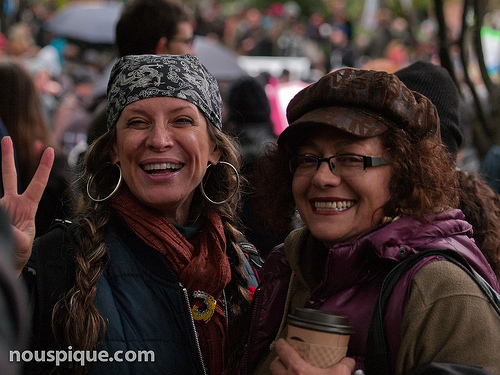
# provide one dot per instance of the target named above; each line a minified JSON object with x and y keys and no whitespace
{"x":147,"y":27}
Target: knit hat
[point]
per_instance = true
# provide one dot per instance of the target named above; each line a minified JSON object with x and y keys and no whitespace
{"x":137,"y":77}
{"x":365,"y":103}
{"x":435,"y":83}
{"x":247,"y":101}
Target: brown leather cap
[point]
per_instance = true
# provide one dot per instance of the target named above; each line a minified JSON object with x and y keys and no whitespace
{"x":344,"y":97}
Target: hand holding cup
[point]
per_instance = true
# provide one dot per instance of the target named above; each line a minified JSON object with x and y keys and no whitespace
{"x":289,"y":362}
{"x":320,"y":337}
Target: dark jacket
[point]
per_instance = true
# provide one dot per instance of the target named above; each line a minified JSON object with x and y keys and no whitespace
{"x":59,"y":200}
{"x":14,"y":317}
{"x":350,"y":280}
{"x":147,"y":311}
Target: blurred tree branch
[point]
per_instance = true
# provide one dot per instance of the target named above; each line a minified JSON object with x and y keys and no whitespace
{"x":485,"y":131}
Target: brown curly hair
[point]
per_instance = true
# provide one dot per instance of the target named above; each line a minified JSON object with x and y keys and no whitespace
{"x":481,"y":207}
{"x":423,"y":179}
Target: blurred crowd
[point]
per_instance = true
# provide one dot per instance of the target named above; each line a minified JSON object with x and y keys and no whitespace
{"x":53,"y":94}
{"x":70,"y":76}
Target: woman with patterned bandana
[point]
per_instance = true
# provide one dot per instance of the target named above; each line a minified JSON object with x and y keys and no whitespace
{"x":152,"y":262}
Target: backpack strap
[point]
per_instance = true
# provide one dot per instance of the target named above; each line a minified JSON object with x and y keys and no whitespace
{"x":252,"y":264}
{"x":378,"y":360}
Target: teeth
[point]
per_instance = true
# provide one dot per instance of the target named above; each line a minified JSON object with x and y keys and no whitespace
{"x":334,"y":206}
{"x":152,"y":167}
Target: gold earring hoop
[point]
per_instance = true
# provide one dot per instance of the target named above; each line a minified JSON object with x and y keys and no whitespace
{"x":202,"y":188}
{"x":92,"y":177}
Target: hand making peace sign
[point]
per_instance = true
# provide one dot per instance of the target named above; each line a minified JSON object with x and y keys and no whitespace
{"x":21,"y":208}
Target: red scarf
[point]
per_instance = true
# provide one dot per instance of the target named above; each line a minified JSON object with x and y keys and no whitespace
{"x":202,"y":265}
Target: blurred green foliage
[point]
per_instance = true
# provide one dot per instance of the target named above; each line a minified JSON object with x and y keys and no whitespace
{"x":354,"y":8}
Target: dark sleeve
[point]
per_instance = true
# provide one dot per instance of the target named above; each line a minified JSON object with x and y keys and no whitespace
{"x":13,"y":302}
{"x":59,"y":199}
{"x":49,"y":275}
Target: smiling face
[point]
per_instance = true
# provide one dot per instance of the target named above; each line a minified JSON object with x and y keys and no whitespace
{"x":335,"y":208}
{"x":163,"y":147}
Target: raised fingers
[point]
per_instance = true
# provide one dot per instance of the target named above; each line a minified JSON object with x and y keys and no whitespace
{"x":9,"y":173}
{"x":38,"y":183}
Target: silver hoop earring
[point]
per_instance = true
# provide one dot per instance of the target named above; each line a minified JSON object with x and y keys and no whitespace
{"x":202,"y":189}
{"x":91,"y":179}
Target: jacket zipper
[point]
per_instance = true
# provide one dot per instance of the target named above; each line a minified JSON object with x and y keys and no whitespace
{"x":224,"y":302}
{"x":250,"y":336}
{"x":200,"y":356}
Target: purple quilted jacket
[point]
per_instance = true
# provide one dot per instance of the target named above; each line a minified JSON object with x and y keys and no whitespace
{"x":352,"y":277}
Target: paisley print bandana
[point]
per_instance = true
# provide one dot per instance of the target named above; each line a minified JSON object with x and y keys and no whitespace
{"x":137,"y":77}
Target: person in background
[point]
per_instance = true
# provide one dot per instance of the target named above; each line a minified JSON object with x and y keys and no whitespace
{"x":381,"y":63}
{"x":20,"y":42}
{"x":73,"y":116}
{"x":152,"y":260}
{"x":250,"y":37}
{"x":339,"y":17}
{"x":210,"y":20}
{"x":490,"y":168}
{"x":479,"y":203}
{"x":398,"y":52}
{"x":374,"y":185}
{"x":21,"y":113}
{"x":43,"y":64}
{"x":342,"y":52}
{"x":248,"y":118}
{"x":154,"y":27}
{"x":147,"y":27}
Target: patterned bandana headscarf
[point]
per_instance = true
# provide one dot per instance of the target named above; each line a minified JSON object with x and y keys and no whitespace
{"x":137,"y":77}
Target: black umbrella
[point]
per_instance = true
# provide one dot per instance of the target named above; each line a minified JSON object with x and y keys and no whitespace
{"x":87,"y":21}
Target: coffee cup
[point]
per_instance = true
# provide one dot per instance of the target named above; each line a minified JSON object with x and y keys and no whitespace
{"x":320,"y":337}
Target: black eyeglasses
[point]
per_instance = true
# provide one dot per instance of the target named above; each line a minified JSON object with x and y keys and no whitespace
{"x":188,"y":41}
{"x":342,"y":165}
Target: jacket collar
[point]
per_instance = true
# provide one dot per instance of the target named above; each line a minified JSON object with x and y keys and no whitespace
{"x":348,"y":261}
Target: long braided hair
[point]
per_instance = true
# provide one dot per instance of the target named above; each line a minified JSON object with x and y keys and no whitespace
{"x":76,"y":321}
